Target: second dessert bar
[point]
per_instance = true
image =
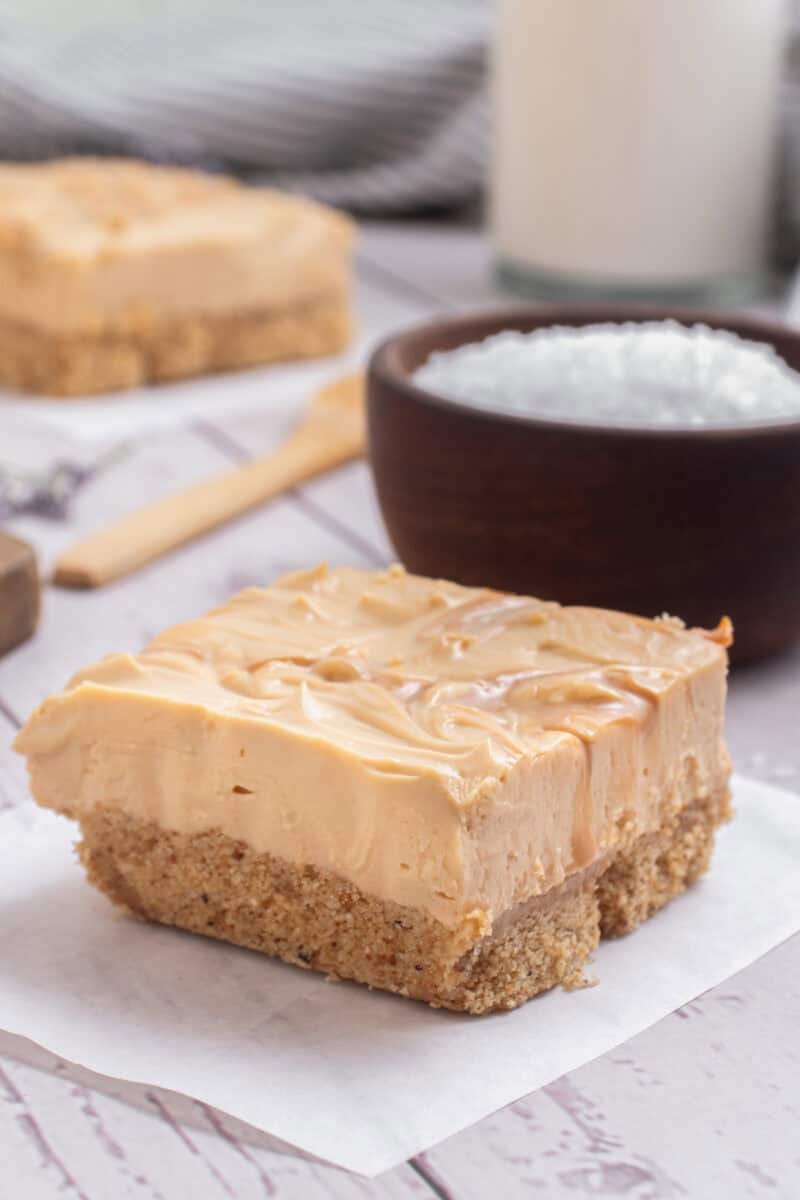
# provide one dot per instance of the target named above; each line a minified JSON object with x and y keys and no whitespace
{"x":115,"y":273}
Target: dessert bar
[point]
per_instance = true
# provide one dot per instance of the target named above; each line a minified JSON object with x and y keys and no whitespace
{"x":444,"y":791}
{"x":115,"y":273}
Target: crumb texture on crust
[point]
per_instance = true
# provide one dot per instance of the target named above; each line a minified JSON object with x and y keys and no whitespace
{"x":209,"y":883}
{"x":113,"y":359}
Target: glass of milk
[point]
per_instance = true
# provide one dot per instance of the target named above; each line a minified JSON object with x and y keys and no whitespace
{"x":633,"y":144}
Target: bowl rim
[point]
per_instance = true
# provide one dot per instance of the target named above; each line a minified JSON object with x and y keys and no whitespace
{"x":381,"y":367}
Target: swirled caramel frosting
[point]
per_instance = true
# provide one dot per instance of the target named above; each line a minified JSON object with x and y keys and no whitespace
{"x":450,"y":748}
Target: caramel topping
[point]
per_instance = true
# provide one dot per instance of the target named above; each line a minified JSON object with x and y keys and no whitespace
{"x":464,"y":681}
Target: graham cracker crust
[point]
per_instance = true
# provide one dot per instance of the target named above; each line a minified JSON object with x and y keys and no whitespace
{"x":146,"y":351}
{"x":208,"y":883}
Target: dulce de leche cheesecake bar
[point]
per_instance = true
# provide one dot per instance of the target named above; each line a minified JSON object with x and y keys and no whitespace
{"x":114,"y":272}
{"x":444,"y":791}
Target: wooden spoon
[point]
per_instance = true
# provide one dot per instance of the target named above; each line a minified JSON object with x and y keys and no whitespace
{"x":332,"y":432}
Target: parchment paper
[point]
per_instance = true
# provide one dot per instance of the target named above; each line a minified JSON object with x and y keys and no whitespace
{"x":360,"y":1078}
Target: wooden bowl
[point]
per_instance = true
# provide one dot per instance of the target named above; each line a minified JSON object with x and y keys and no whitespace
{"x":699,"y":523}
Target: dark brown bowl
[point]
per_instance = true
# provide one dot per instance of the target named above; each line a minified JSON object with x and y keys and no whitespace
{"x":697,"y":523}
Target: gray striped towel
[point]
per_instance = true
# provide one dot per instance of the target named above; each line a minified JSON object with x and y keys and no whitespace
{"x":373,"y":104}
{"x":376,"y":105}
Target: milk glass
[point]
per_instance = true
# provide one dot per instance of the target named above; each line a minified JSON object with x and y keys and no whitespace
{"x":633,"y":144}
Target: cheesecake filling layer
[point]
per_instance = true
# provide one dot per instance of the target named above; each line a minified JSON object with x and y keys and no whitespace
{"x":101,"y":245}
{"x":452,"y":749}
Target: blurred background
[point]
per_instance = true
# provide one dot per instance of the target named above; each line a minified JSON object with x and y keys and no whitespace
{"x":381,"y":107}
{"x":384,"y":108}
{"x":626,"y":151}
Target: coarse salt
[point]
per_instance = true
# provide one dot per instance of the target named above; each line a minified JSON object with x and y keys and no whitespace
{"x":642,"y":374}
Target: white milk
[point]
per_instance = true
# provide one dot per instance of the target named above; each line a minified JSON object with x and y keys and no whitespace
{"x":634,"y":139}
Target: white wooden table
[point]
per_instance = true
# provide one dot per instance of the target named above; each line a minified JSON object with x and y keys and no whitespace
{"x":705,"y":1104}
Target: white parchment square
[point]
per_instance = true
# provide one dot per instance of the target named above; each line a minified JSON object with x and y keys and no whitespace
{"x":361,"y":1078}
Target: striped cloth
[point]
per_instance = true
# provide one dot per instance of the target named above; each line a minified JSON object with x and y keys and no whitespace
{"x":375,"y":105}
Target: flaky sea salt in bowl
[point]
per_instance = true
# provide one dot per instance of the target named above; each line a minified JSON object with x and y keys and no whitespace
{"x":648,"y":461}
{"x":642,"y":374}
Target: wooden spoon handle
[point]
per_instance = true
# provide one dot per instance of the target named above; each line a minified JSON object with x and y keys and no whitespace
{"x":164,"y":524}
